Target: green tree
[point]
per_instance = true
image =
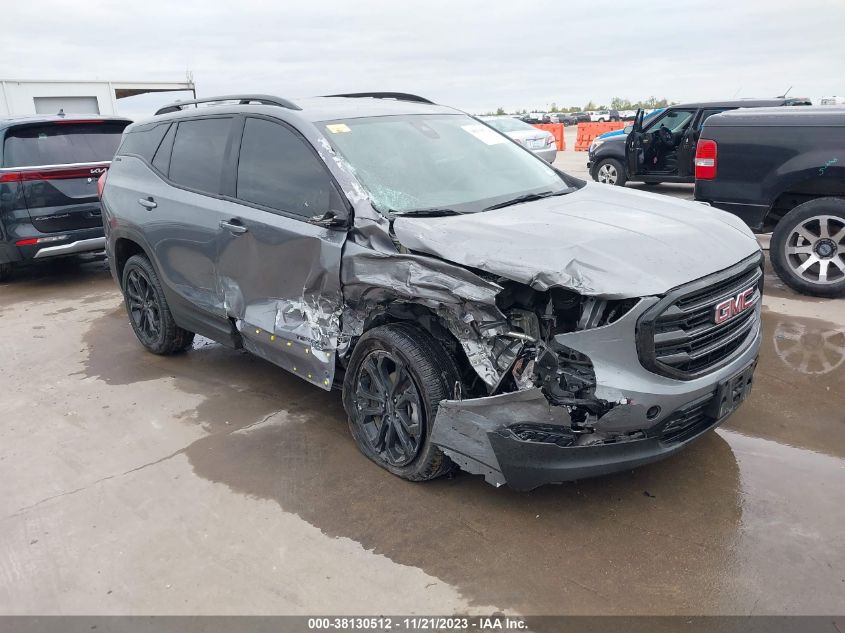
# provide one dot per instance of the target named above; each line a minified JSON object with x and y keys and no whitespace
{"x":618,"y":103}
{"x":590,"y":106}
{"x":500,"y":111}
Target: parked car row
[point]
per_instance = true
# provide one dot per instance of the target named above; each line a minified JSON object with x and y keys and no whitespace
{"x":567,"y":118}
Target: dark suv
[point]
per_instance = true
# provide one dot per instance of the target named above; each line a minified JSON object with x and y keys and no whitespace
{"x":48,"y":185}
{"x":662,"y":149}
{"x":478,"y":307}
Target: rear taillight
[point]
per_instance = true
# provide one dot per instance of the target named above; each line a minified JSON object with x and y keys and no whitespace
{"x":705,"y":159}
{"x":101,"y":183}
{"x":52,"y":173}
{"x":32,"y":241}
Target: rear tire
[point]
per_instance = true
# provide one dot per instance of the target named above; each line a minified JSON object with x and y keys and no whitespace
{"x":6,"y":271}
{"x":148,"y":311}
{"x":610,"y":172}
{"x":807,"y":249}
{"x":396,"y":378}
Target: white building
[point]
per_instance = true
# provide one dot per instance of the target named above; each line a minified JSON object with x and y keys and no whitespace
{"x":21,"y":98}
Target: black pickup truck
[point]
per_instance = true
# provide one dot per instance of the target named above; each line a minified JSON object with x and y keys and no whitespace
{"x":782,"y":170}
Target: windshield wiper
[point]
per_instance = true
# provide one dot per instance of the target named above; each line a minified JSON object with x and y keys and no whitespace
{"x":528,"y":197}
{"x":427,"y":213}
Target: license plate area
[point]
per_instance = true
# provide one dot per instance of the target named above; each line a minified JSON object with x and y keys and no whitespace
{"x":732,"y":391}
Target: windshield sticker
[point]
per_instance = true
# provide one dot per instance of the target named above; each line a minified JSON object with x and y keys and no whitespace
{"x":484,"y":133}
{"x":338,"y":128}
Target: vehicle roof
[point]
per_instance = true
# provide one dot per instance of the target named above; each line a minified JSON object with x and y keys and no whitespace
{"x":6,"y":122}
{"x":810,"y":116}
{"x":735,"y":103}
{"x":316,"y":109}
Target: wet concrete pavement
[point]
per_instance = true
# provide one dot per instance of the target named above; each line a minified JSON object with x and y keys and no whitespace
{"x":213,"y":482}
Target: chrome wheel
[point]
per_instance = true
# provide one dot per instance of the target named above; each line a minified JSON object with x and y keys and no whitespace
{"x":607,"y":174}
{"x":388,"y":409}
{"x":815,"y":250}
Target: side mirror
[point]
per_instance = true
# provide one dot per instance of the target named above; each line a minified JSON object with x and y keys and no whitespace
{"x":628,"y":129}
{"x":331,"y":219}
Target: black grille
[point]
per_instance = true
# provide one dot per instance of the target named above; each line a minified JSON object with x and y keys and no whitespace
{"x":679,"y":337}
{"x":688,"y":421}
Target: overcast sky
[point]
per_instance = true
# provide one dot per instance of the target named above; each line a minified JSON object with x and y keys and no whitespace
{"x":473,"y":55}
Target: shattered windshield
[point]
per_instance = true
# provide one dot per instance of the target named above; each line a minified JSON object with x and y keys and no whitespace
{"x":439,"y":163}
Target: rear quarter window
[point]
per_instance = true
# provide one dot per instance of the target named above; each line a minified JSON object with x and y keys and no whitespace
{"x":62,"y":143}
{"x":144,"y":143}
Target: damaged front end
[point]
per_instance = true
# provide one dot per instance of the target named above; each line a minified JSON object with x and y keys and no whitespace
{"x":542,"y":393}
{"x":571,"y":398}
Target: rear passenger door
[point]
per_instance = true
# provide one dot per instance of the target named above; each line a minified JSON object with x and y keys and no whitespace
{"x":181,"y":218}
{"x":277,"y":271}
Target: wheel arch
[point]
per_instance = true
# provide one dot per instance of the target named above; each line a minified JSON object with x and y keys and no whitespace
{"x":803,"y":189}
{"x":125,"y":245}
{"x":427,"y":319}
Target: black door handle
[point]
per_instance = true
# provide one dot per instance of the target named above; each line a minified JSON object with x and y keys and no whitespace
{"x":233,"y":226}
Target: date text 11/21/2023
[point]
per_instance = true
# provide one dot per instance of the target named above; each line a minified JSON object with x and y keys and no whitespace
{"x":417,"y":623}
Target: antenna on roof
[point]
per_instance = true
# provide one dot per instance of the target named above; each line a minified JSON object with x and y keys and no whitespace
{"x":783,"y":96}
{"x":61,"y":112}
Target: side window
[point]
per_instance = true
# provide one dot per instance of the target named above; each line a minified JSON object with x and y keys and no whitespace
{"x":705,"y":114}
{"x":144,"y":143}
{"x":199,"y":148}
{"x":277,"y":169}
{"x":675,"y":120}
{"x":161,"y":161}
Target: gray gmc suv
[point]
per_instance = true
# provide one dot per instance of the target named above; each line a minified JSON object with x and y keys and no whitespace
{"x":477,"y":307}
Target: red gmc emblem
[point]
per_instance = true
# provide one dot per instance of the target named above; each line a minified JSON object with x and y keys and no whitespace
{"x":729,"y":308}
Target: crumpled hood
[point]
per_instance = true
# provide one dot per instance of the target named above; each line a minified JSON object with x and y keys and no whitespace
{"x":599,"y":240}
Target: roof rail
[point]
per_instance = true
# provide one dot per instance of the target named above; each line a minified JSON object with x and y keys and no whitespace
{"x":398,"y":96}
{"x":242,"y":99}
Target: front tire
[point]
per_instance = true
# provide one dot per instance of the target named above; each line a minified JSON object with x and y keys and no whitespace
{"x":610,"y":172}
{"x":808,"y":248}
{"x":397,"y":376}
{"x":148,"y":311}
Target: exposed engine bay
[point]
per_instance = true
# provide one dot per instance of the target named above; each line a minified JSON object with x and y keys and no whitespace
{"x":528,"y":356}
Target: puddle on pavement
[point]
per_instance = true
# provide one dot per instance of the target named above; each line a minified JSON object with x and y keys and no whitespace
{"x":798,"y":397}
{"x":668,"y":531}
{"x":238,"y":388}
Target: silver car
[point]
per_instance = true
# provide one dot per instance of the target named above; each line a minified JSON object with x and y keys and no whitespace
{"x":538,"y":141}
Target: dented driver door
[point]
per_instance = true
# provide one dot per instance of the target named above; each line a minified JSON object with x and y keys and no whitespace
{"x":278,"y":267}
